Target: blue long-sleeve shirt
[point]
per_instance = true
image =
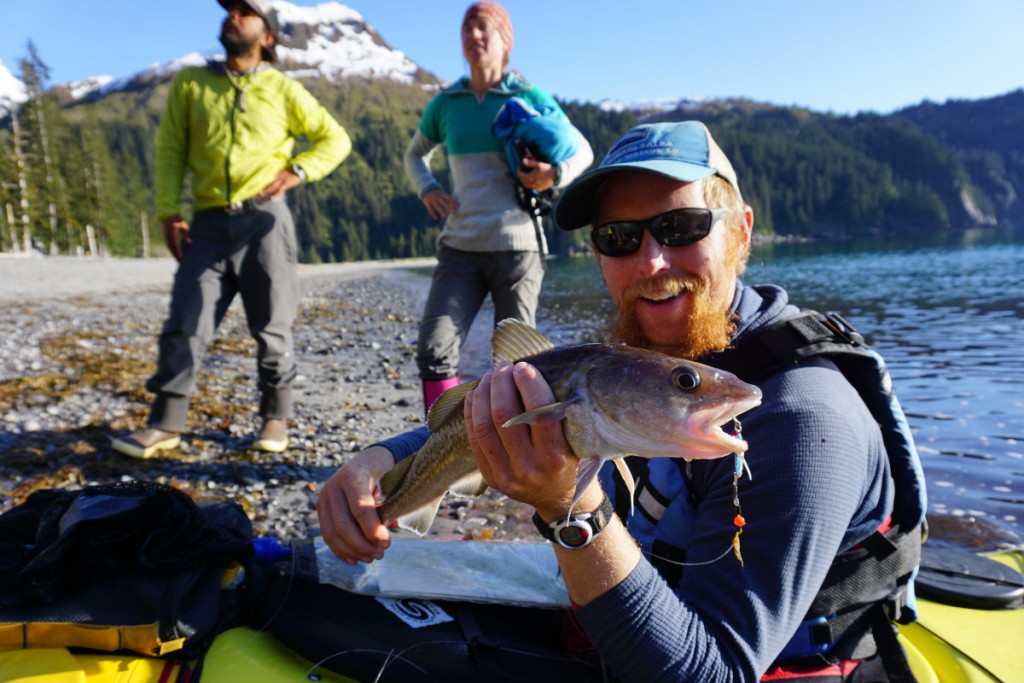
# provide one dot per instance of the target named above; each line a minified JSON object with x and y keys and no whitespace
{"x":820,"y":484}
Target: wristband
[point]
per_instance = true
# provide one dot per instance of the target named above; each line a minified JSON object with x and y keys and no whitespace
{"x":576,"y":531}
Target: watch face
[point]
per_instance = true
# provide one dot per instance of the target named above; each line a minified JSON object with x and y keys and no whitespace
{"x":574,"y":534}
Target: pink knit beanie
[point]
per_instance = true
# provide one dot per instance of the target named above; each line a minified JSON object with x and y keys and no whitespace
{"x":497,"y":14}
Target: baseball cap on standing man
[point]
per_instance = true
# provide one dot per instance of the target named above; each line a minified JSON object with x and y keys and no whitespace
{"x":683,"y":151}
{"x":267,"y":14}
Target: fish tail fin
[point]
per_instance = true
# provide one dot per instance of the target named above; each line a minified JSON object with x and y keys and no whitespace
{"x":418,"y":521}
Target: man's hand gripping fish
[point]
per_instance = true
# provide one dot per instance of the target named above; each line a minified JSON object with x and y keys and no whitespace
{"x":614,"y":400}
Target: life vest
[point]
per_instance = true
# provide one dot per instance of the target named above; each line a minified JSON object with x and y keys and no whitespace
{"x":868,"y":586}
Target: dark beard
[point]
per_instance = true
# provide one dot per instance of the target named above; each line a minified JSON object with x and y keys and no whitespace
{"x":235,"y":44}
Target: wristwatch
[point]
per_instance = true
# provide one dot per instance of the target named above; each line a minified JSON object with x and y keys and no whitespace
{"x":299,"y":171}
{"x":576,"y":531}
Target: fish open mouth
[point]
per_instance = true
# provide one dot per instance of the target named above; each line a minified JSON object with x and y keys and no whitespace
{"x":709,"y":423}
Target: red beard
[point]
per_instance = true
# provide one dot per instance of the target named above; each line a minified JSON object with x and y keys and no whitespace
{"x":708,"y":328}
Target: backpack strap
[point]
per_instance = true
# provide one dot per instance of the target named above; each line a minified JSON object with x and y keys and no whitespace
{"x":882,"y":559}
{"x":893,"y":657}
{"x":484,"y":649}
{"x":807,"y":334}
{"x":536,"y":205}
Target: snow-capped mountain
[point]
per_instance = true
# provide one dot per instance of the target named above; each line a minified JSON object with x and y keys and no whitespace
{"x":12,"y":90}
{"x":335,"y":41}
{"x":660,"y":104}
{"x":330,"y":40}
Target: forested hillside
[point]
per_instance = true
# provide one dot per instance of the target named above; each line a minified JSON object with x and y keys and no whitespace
{"x":78,"y":177}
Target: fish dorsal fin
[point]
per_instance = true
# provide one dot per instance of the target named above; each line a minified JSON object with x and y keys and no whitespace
{"x":514,"y":340}
{"x":394,"y":477}
{"x":447,"y":405}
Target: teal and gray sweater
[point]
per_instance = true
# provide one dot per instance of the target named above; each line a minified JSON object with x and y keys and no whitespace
{"x":489,"y":218}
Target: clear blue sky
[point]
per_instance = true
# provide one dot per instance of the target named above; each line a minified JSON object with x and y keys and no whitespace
{"x":827,"y":55}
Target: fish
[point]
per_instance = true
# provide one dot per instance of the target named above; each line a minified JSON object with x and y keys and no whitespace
{"x":614,"y":401}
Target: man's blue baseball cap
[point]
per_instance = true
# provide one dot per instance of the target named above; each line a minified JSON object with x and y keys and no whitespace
{"x":682,"y":151}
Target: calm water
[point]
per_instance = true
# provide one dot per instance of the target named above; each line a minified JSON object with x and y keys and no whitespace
{"x":947,"y":315}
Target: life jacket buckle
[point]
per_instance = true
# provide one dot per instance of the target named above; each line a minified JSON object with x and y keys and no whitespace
{"x":842,"y":329}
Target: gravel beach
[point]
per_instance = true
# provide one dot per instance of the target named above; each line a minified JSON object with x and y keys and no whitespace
{"x":78,"y":340}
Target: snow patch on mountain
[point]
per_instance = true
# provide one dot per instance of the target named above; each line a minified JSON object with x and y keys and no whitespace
{"x":160,"y":69}
{"x":337,"y":42}
{"x":329,"y":40}
{"x":12,"y":90}
{"x":83,"y":88}
{"x":328,"y":12}
{"x":658,"y":104}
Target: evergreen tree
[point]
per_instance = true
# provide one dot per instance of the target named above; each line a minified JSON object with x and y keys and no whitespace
{"x":45,"y":188}
{"x":933,"y":167}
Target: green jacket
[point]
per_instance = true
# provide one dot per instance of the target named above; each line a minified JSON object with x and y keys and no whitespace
{"x":233,"y":154}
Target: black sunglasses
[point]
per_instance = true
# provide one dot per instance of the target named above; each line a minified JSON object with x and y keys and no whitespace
{"x":675,"y":228}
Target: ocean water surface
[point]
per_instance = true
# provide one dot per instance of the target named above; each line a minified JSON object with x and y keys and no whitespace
{"x":945,"y":311}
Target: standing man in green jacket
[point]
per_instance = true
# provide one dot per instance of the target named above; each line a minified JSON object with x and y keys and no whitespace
{"x":232,"y":127}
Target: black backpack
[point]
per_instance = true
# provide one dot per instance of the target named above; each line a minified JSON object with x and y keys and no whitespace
{"x":362,"y":637}
{"x":136,"y":567}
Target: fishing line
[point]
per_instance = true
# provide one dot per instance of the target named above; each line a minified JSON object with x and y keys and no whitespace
{"x":739,"y":521}
{"x":390,"y":657}
{"x":280,"y":606}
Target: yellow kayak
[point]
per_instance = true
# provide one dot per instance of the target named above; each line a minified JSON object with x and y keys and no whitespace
{"x":953,"y":644}
{"x":240,"y":654}
{"x":948,"y":644}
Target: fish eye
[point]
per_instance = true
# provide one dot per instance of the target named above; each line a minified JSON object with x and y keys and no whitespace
{"x":686,"y":378}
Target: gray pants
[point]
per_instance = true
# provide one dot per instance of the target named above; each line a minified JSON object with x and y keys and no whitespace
{"x":460,"y":284}
{"x":252,"y":254}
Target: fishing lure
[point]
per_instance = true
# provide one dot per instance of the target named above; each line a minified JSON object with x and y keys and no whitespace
{"x":738,"y":521}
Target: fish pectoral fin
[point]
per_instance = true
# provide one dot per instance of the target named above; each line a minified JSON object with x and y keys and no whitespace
{"x":585,"y":473}
{"x":515,"y":340}
{"x":419,"y":520}
{"x":551,"y":412}
{"x":627,"y":478}
{"x":472,"y":485}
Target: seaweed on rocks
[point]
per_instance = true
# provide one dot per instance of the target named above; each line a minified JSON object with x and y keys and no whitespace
{"x":72,"y":375}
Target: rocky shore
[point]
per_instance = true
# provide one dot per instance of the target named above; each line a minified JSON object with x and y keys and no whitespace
{"x":78,"y":340}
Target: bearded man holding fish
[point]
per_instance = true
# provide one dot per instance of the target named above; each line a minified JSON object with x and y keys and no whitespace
{"x":662,"y":587}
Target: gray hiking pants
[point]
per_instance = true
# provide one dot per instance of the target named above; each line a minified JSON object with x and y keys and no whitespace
{"x":460,"y":284}
{"x":252,"y":254}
